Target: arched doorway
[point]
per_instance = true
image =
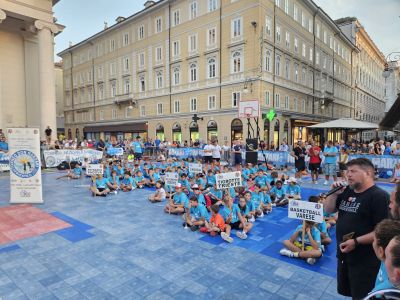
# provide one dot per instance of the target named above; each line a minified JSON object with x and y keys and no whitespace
{"x":194,"y":132}
{"x":266,"y":131}
{"x":276,"y":133}
{"x":160,"y":132}
{"x":177,"y":132}
{"x":286,"y":132}
{"x":77,"y":134}
{"x":236,"y":130}
{"x":212,"y":130}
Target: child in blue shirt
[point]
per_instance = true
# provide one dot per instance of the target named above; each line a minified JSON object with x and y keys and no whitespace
{"x":196,"y":215}
{"x":293,"y":190}
{"x":251,"y":208}
{"x":210,"y":178}
{"x":216,"y":195}
{"x":322,"y":227}
{"x":257,"y":198}
{"x":179,"y":203}
{"x":140,"y":180}
{"x":278,"y":194}
{"x":266,"y":204}
{"x":99,"y":187}
{"x":113,"y":181}
{"x":127,"y":183}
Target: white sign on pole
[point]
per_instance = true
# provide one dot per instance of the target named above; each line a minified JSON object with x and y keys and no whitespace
{"x":307,"y":211}
{"x":195,"y":168}
{"x":171,"y":179}
{"x":227,"y":180}
{"x":94,"y":169}
{"x":25,"y":166}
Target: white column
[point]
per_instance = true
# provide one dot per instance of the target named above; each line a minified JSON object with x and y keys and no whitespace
{"x":46,"y":77}
{"x":3,"y":16}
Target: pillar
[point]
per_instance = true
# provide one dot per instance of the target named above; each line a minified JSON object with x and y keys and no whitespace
{"x":2,"y":18}
{"x":47,"y":91}
{"x":3,"y":15}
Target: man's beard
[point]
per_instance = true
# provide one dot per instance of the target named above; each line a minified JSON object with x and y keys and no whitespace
{"x":355,"y":186}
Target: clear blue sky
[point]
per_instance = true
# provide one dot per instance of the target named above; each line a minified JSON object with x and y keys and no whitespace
{"x":83,"y":18}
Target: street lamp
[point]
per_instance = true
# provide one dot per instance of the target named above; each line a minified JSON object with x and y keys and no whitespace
{"x":394,"y":56}
{"x":247,"y":84}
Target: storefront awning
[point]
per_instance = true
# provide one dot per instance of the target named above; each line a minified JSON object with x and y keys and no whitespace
{"x":392,"y":117}
{"x":127,"y":127}
{"x":346,"y":123}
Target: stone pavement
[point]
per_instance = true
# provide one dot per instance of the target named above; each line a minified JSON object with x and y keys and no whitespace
{"x":122,"y":247}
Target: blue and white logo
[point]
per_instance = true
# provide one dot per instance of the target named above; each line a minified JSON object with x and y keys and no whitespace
{"x":24,"y":164}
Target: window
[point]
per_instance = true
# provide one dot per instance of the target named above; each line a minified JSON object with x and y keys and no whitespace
{"x":286,"y":104}
{"x":193,"y":72}
{"x":318,"y":33}
{"x":90,"y":94}
{"x":141,"y":32}
{"x":158,"y":54}
{"x":278,"y":65}
{"x":158,"y":25}
{"x":159,"y":79}
{"x":311,"y":54}
{"x":160,"y":109}
{"x":303,"y":20}
{"x":176,"y":106}
{"x":303,"y":50}
{"x":296,"y":72}
{"x":325,"y":37}
{"x":176,"y":18}
{"x":287,"y":68}
{"x":100,"y":72}
{"x":193,"y":104}
{"x":127,"y":112}
{"x":295,"y":12}
{"x":126,"y":39}
{"x":113,"y":69}
{"x":91,"y":116}
{"x":278,"y":3}
{"x":193,"y":43}
{"x":268,"y":61}
{"x":114,"y":113}
{"x":212,"y":5}
{"x":126,"y":64}
{"x":101,"y":115}
{"x":296,"y":45}
{"x":211,"y":36}
{"x":101,"y":91}
{"x":236,"y":28}
{"x":141,"y":60}
{"x":211,"y":68}
{"x":235,"y":99}
{"x":127,"y":86}
{"x":287,"y":6}
{"x":277,"y":100}
{"x":112,"y":45}
{"x":330,"y":42}
{"x":287,"y":40}
{"x":142,"y":111}
{"x":278,"y":33}
{"x":177,"y":75}
{"x":237,"y":62}
{"x":303,"y":75}
{"x":113,"y":88}
{"x":310,"y":25}
{"x":211,"y":102}
{"x":268,"y":25}
{"x":142,"y":83}
{"x":317,"y":58}
{"x":193,"y":10}
{"x":295,"y":105}
{"x":176,"y":48}
{"x":267,"y":98}
{"x":303,"y":105}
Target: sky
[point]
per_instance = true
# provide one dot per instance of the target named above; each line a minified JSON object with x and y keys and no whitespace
{"x":83,"y":18}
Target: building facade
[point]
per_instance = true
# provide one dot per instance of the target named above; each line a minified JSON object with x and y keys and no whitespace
{"x":59,"y":87}
{"x":148,"y":74}
{"x":367,"y":68}
{"x":27,"y":89}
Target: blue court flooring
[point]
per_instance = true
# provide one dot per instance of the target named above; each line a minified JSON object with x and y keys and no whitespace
{"x":123,"y":247}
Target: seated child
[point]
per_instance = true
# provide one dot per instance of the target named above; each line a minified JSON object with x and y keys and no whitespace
{"x":140,"y":180}
{"x":127,"y":183}
{"x":217,"y":225}
{"x":232,"y":216}
{"x":266,"y":204}
{"x":113,"y":181}
{"x":75,"y":173}
{"x":178,"y":203}
{"x":211,"y":181}
{"x":196,"y":215}
{"x":256,"y":199}
{"x":99,"y":187}
{"x":244,"y":209}
{"x":199,"y":195}
{"x":312,"y":243}
{"x":278,"y":194}
{"x":330,"y":219}
{"x":322,"y":227}
{"x":160,"y":194}
{"x":216,"y":195}
{"x":185,"y":183}
{"x":151,"y":181}
{"x":293,"y":190}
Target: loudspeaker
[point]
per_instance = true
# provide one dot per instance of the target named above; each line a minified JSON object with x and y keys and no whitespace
{"x":251,"y":145}
{"x":251,"y":157}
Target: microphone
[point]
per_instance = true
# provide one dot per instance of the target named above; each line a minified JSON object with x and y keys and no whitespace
{"x":334,"y":190}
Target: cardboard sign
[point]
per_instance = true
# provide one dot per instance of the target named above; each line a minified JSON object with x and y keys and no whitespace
{"x":94,"y":169}
{"x":195,"y":168}
{"x":171,"y":179}
{"x":227,"y":180}
{"x":307,"y":211}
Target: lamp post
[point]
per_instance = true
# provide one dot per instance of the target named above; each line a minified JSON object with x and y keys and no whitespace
{"x":393,"y":56}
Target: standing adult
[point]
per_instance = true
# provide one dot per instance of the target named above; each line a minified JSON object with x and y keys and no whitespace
{"x":216,"y":153}
{"x":48,"y":132}
{"x":227,"y":152}
{"x":284,"y":147}
{"x":299,"y":154}
{"x":208,"y":154}
{"x":330,"y":153}
{"x":237,"y":154}
{"x":315,"y":161}
{"x":361,"y":206}
{"x":137,"y":148}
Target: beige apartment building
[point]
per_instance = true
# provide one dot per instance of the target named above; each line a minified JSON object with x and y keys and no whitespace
{"x":59,"y":88}
{"x":148,"y":74}
{"x":368,"y":82}
{"x":27,"y":89}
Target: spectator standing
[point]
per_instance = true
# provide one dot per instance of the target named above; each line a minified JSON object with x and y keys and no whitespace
{"x":216,"y":153}
{"x":208,"y":154}
{"x":227,"y":152}
{"x":315,"y":161}
{"x":237,"y":154}
{"x":330,"y":153}
{"x":48,"y":132}
{"x":299,"y":154}
{"x":137,"y":148}
{"x":388,"y":149}
{"x":382,"y":146}
{"x":284,"y":147}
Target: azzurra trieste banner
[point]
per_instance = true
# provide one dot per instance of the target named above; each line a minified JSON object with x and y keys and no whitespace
{"x":25,"y":166}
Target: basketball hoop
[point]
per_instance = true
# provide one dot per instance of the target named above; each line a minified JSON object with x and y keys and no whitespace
{"x":248,"y":115}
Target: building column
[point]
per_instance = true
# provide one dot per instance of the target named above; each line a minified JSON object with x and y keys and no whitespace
{"x":3,"y":16}
{"x":47,"y":90}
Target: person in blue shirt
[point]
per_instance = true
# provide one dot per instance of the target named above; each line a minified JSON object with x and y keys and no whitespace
{"x":278,"y":194}
{"x":185,"y":183}
{"x":322,"y":227}
{"x":384,"y":232}
{"x":199,"y":180}
{"x":196,"y":215}
{"x":244,"y":208}
{"x":75,"y":173}
{"x":157,"y":174}
{"x":211,"y":180}
{"x":215,"y":195}
{"x":232,"y":216}
{"x":120,"y":171}
{"x":293,"y":190}
{"x":261,"y":179}
{"x":3,"y":145}
{"x":127,"y":183}
{"x":256,"y":199}
{"x":266,"y":204}
{"x":178,"y":203}
{"x":312,"y":243}
{"x":140,"y":180}
{"x":137,"y":148}
{"x":113,"y":181}
{"x":199,"y":195}
{"x":99,"y":187}
{"x":151,"y":181}
{"x":330,"y":153}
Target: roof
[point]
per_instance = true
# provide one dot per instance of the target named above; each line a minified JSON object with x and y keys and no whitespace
{"x":346,"y":123}
{"x":392,"y":117}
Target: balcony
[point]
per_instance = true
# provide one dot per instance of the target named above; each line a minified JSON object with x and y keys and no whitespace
{"x":124,"y":98}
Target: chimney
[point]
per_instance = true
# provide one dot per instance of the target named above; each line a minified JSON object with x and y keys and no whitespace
{"x":149,"y":3}
{"x":105,"y":25}
{"x":120,"y":19}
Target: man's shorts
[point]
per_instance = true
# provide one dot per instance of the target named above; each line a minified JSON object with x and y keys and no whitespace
{"x":314,"y":167}
{"x":238,"y":160}
{"x":300,"y":166}
{"x":355,"y":280}
{"x":236,"y":225}
{"x":217,"y":159}
{"x":138,"y":156}
{"x":330,"y":169}
{"x":208,"y":159}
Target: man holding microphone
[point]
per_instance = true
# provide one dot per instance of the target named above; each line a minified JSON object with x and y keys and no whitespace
{"x":361,"y":205}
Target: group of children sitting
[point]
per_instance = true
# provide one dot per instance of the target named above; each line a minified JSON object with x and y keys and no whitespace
{"x":208,"y":209}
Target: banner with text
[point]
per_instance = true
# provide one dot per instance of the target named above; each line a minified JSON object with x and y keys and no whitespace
{"x":94,"y":169}
{"x":171,"y":179}
{"x":54,"y":157}
{"x":25,"y":166}
{"x":306,"y":211}
{"x":195,"y":168}
{"x":227,"y":180}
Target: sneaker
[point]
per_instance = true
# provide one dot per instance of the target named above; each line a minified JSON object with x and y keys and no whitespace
{"x":184,"y":216}
{"x":286,"y":252}
{"x":322,"y":248}
{"x":252,"y":219}
{"x":311,"y":261}
{"x":226,"y":237}
{"x":262,"y":215}
{"x":115,"y":192}
{"x":241,"y":235}
{"x":273,"y":204}
{"x":326,"y":182}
